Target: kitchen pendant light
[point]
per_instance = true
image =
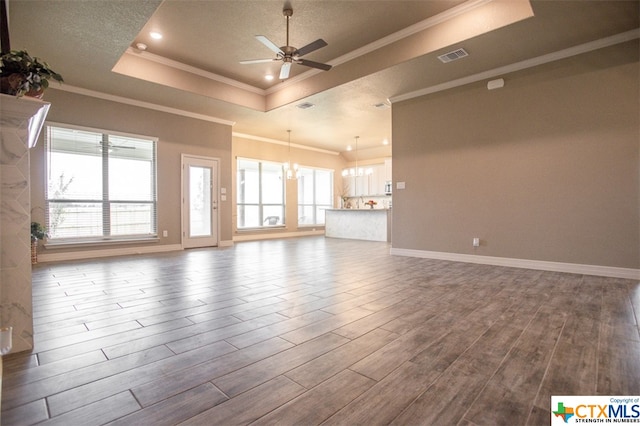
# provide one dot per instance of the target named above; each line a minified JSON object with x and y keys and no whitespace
{"x":291,"y":172}
{"x":357,"y":171}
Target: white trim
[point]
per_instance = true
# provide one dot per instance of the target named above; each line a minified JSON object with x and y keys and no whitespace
{"x":518,"y":66}
{"x":193,"y":70}
{"x":411,"y":30}
{"x":94,"y":254}
{"x":373,"y":46}
{"x":99,"y":130}
{"x":225,"y":243}
{"x":141,"y":104}
{"x":572,"y":268}
{"x":276,"y":235}
{"x":278,"y":142}
{"x":66,"y":245}
{"x":385,"y":41}
{"x":214,"y":162}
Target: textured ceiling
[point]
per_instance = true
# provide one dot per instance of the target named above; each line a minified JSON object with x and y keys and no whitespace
{"x":216,"y":35}
{"x":205,"y":40}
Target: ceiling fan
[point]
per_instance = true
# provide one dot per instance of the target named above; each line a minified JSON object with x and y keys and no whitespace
{"x":111,"y":146}
{"x":289,"y":54}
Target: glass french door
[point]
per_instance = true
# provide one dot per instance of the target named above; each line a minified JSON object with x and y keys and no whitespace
{"x":199,"y":202}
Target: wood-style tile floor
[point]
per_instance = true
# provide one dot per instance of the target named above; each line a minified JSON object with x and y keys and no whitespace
{"x":316,"y":331}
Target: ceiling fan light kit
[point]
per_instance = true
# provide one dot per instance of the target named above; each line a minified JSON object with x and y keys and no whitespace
{"x":288,"y":54}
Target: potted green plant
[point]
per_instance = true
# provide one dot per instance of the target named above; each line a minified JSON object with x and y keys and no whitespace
{"x":22,"y":74}
{"x":38,"y":232}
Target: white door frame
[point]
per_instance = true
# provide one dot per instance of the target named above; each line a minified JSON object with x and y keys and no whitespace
{"x":214,"y":163}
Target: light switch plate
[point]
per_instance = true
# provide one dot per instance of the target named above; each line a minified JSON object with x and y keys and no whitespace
{"x":399,"y":185}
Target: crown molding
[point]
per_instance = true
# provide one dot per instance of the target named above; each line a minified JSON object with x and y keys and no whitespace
{"x":141,"y":104}
{"x":373,"y":46}
{"x":284,"y":143}
{"x":385,"y":41}
{"x":193,"y":70}
{"x":518,"y":66}
{"x":411,"y":30}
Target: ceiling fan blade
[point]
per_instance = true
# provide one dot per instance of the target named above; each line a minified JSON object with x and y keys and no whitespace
{"x":112,"y":146}
{"x":313,"y":64}
{"x":284,"y":71}
{"x":314,"y":45}
{"x":271,"y":45}
{"x":258,"y":61}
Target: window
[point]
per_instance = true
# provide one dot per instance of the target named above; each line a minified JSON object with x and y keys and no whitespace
{"x":315,"y":194}
{"x":100,"y":186}
{"x":260,"y":194}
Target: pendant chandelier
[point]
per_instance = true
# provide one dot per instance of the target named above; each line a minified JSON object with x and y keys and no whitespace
{"x":291,"y":172}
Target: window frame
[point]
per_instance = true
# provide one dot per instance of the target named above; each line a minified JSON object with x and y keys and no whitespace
{"x":105,"y":202}
{"x":260,"y":204}
{"x":315,"y":205}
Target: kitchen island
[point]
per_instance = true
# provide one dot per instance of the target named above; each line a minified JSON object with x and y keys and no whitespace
{"x":358,"y":224}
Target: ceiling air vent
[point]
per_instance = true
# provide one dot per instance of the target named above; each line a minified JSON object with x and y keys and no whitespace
{"x":305,"y":105}
{"x":452,"y":56}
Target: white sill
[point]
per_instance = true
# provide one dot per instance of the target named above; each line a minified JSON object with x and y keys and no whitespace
{"x":263,"y":228}
{"x":52,"y":245}
{"x":276,"y":228}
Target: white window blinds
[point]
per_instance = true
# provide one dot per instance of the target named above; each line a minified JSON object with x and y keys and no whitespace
{"x":100,"y":186}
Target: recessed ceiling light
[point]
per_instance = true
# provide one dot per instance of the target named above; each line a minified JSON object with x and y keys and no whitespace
{"x":155,"y":35}
{"x":348,"y":147}
{"x":268,"y":77}
{"x":141,"y":46}
{"x":385,"y":141}
{"x":305,"y":105}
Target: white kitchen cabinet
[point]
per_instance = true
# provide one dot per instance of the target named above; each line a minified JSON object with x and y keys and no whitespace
{"x":377,"y":180}
{"x":357,"y":186}
{"x":368,"y":184}
{"x":387,"y":170}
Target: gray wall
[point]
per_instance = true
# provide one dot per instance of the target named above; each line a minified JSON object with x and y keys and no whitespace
{"x":546,"y":168}
{"x":176,"y":134}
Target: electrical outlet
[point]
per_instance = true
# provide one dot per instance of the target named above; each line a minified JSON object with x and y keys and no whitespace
{"x":165,"y":233}
{"x":476,"y":242}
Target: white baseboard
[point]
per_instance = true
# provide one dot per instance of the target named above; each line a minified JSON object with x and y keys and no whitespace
{"x":91,"y":254}
{"x":573,"y":268}
{"x":275,"y":235}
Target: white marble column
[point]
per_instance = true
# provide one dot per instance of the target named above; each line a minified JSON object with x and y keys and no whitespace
{"x":20,"y":122}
